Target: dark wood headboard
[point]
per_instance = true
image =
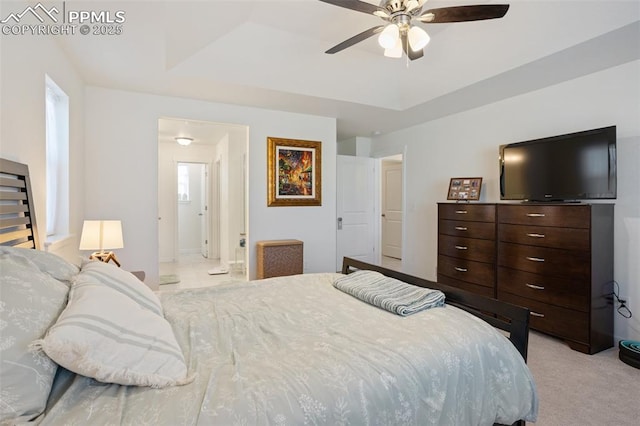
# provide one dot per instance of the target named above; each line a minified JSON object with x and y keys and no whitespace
{"x":17,"y":215}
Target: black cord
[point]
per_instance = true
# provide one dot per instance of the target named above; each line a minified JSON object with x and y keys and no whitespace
{"x":622,"y":309}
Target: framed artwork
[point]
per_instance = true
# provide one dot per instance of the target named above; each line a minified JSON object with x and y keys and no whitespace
{"x":465,"y":188}
{"x":294,"y":172}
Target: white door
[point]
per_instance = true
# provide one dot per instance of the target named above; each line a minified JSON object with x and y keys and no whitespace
{"x":356,"y":197}
{"x":392,"y":209}
{"x":204,"y":214}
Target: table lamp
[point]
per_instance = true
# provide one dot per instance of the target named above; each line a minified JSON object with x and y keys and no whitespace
{"x":102,"y":235}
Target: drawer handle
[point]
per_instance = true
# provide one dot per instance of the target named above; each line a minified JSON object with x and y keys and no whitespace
{"x":460,"y":228}
{"x":535,"y":214}
{"x":460,"y":247}
{"x":534,"y":259}
{"x":461,"y":212}
{"x":534,"y":235}
{"x":535,"y":314}
{"x":460,"y":269}
{"x":535,"y":287}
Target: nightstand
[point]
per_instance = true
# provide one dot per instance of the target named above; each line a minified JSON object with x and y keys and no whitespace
{"x":139,"y":275}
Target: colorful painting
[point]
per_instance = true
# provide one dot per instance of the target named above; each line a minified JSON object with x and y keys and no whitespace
{"x":294,"y":172}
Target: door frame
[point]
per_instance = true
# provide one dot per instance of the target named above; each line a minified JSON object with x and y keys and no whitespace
{"x":395,"y":159}
{"x":176,"y":228}
{"x":391,"y":154}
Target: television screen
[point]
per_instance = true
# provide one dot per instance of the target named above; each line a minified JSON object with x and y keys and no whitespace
{"x":575,"y":166}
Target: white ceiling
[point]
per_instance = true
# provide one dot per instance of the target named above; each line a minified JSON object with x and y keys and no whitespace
{"x":202,"y":132}
{"x":270,"y":54}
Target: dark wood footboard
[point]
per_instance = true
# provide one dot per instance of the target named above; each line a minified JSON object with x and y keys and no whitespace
{"x":511,"y":318}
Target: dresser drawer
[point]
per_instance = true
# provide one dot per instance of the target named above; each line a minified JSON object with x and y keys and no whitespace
{"x":474,"y":288}
{"x":545,"y":236}
{"x":467,"y":248}
{"x":458,"y":228}
{"x":467,"y":270}
{"x":472,"y":212}
{"x":578,"y":216}
{"x":575,"y":265}
{"x":556,"y":291}
{"x":561,"y":322}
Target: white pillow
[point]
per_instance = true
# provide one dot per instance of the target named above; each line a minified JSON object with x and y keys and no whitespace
{"x":31,"y":302}
{"x":108,"y":336}
{"x":122,"y":281}
{"x":49,"y":263}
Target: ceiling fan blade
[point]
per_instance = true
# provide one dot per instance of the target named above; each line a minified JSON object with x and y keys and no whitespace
{"x":464,"y":13}
{"x":359,"y":6}
{"x":355,"y":39}
{"x":410,"y":53}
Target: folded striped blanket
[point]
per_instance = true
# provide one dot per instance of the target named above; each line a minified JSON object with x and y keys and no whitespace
{"x":388,"y":293}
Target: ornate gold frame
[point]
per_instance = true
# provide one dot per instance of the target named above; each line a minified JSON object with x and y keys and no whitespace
{"x":275,"y":173}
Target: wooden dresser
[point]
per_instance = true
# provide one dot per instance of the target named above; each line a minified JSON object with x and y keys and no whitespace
{"x":467,"y":246}
{"x":557,"y":260}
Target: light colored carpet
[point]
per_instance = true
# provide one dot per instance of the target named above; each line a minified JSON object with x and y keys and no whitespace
{"x":576,"y":389}
{"x":169,"y":279}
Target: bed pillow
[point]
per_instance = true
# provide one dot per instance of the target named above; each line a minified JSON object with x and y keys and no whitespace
{"x":31,"y":302}
{"x":49,"y":263}
{"x":123,"y":282}
{"x":108,"y":336}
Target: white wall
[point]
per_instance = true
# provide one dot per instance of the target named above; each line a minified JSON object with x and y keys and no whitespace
{"x":466,"y":144}
{"x":24,"y":62}
{"x":122,"y":143}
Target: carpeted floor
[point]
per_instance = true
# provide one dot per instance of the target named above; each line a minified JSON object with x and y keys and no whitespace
{"x":582,"y":390}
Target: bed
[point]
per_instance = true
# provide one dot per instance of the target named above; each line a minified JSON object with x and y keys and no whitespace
{"x":281,"y":351}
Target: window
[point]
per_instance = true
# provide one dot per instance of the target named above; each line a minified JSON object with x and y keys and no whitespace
{"x":57,"y":164}
{"x":183,"y":182}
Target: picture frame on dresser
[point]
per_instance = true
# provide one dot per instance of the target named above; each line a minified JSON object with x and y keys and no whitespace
{"x":464,"y":188}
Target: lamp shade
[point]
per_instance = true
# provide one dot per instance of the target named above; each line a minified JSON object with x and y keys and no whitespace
{"x":418,"y":38}
{"x":396,"y":51}
{"x":101,"y":235}
{"x":389,"y":36}
{"x":184,"y":141}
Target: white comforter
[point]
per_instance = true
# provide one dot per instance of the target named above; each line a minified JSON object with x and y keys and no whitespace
{"x":295,"y":350}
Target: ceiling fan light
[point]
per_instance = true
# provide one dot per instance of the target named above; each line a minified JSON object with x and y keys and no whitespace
{"x":418,"y":38}
{"x":410,"y":5}
{"x":395,"y":51}
{"x":389,"y":36}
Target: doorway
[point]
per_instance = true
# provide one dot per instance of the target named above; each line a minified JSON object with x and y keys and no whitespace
{"x":193,"y":209}
{"x":370,"y":209}
{"x":392,"y":210}
{"x":201,"y":203}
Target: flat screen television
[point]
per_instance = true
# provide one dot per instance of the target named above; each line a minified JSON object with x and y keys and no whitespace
{"x":571,"y":167}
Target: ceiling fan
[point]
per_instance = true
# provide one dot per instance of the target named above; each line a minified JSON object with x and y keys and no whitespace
{"x":400,"y":33}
